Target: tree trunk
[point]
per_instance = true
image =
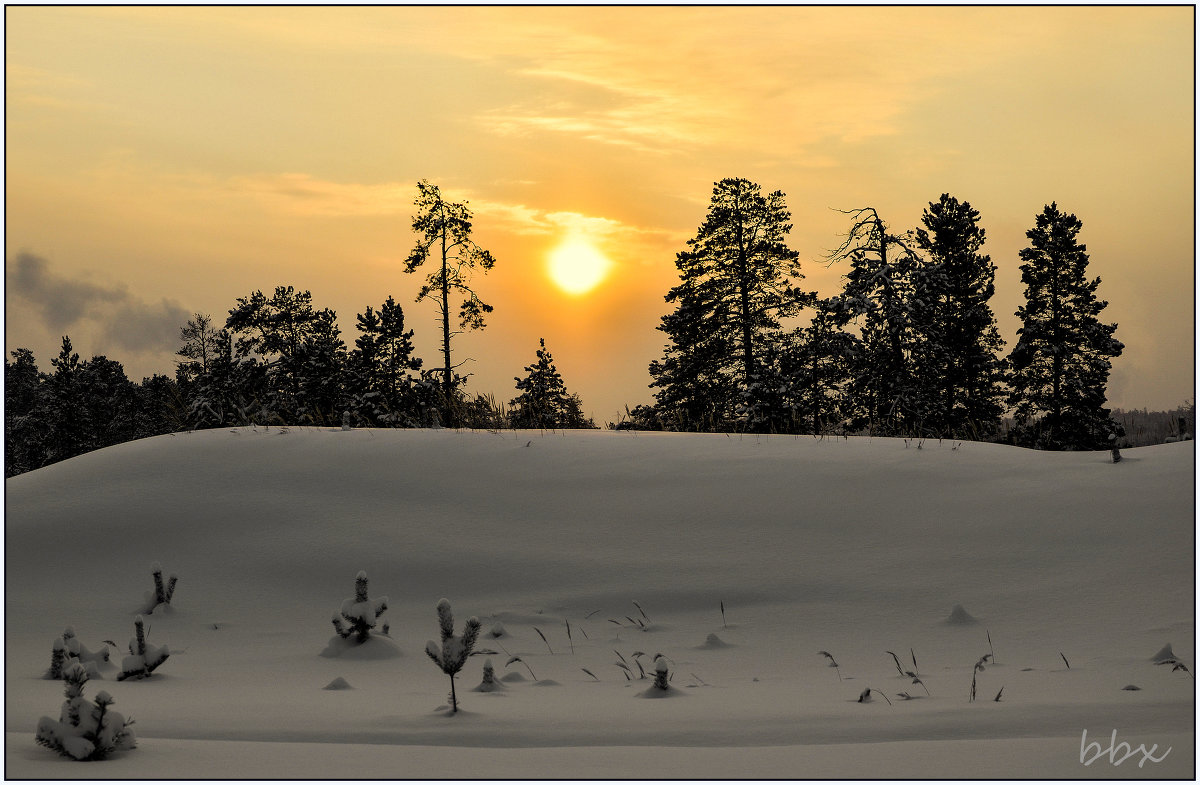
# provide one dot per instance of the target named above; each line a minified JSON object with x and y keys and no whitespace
{"x":447,"y":378}
{"x":453,"y":697}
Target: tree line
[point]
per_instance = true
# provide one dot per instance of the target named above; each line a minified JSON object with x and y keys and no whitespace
{"x":278,"y":359}
{"x":909,"y":347}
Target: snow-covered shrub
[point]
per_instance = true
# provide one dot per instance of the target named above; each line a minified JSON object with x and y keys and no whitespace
{"x":453,"y":652}
{"x":143,"y":657}
{"x":162,"y":592}
{"x":85,"y":731}
{"x":661,"y":674}
{"x":68,"y":649}
{"x":489,"y":683}
{"x":359,"y":613}
{"x":346,"y":424}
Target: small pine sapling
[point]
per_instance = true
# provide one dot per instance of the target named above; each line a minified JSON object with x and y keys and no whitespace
{"x":85,"y":731}
{"x":162,"y":592}
{"x":453,"y":652}
{"x":68,"y":649}
{"x":662,"y":674}
{"x":359,"y":613}
{"x":143,"y":657}
{"x":489,"y":683}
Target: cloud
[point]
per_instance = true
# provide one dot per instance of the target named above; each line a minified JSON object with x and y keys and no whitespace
{"x":120,"y":319}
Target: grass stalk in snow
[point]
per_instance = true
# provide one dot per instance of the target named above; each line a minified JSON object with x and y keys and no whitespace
{"x":588,"y":672}
{"x":543,"y":637}
{"x":639,"y":607}
{"x":832,"y":663}
{"x":865,"y":696}
{"x":526,"y":664}
{"x":990,"y":648}
{"x":570,"y":640}
{"x":1064,"y":659}
{"x":723,"y":624}
{"x":897,"y":660}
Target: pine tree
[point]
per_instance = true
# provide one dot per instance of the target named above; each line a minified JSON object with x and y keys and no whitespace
{"x":1061,"y":362}
{"x":736,"y":284}
{"x":543,"y":401}
{"x":956,"y":346}
{"x":878,"y":296}
{"x":299,"y":349}
{"x":444,"y":229}
{"x":384,"y":380}
{"x":24,"y":414}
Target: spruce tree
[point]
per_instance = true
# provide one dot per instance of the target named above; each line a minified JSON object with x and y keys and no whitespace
{"x":737,"y":281}
{"x":1061,"y":361}
{"x":820,"y":367}
{"x":956,"y":339}
{"x":543,"y":401}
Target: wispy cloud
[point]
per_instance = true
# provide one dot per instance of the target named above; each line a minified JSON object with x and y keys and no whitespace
{"x":122,"y":319}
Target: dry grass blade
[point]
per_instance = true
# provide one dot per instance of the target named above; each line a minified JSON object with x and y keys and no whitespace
{"x":639,"y":607}
{"x":723,"y":625}
{"x":998,"y":694}
{"x":619,"y":654}
{"x":570,"y":639}
{"x":526,"y":664}
{"x":990,"y":647}
{"x":914,"y":659}
{"x":1064,"y":658}
{"x":543,"y":637}
{"x":697,"y":678}
{"x":593,"y":613}
{"x":588,"y":672}
{"x":897,"y":660}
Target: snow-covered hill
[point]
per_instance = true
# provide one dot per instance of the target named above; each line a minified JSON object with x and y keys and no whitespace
{"x":856,"y":547}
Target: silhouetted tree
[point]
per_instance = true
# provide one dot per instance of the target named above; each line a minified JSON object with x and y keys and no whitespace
{"x":1061,"y":362}
{"x":385,"y":385}
{"x":543,"y":401}
{"x":299,"y":348}
{"x":878,"y":297}
{"x":956,"y":346}
{"x":821,"y":365}
{"x":736,"y":283}
{"x":444,"y":229}
{"x":24,"y":423}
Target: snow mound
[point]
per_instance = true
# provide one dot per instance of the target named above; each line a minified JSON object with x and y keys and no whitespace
{"x":373,"y":648}
{"x":1131,"y":687}
{"x":1164,"y":654}
{"x":547,"y":683}
{"x":512,"y":677}
{"x":338,"y":684}
{"x":654,"y":692}
{"x":959,"y":616}
{"x":713,"y":642}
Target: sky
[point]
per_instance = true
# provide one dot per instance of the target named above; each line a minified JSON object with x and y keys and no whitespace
{"x":162,"y":162}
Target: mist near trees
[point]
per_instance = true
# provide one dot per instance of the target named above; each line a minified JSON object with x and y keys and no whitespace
{"x":908,"y":347}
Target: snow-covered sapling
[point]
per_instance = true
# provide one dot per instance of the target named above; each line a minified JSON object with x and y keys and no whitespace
{"x":68,"y":649}
{"x":661,"y":674}
{"x":143,"y":657}
{"x":359,"y":613}
{"x":346,"y":424}
{"x":453,"y":652}
{"x":489,"y":683}
{"x":163,"y":592}
{"x":85,"y":731}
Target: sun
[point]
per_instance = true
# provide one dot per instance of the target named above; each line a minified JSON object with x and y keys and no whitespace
{"x":577,"y":267}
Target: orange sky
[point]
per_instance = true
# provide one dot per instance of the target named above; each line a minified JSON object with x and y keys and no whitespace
{"x":166,"y":161}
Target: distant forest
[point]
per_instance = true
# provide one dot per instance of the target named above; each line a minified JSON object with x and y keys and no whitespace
{"x":909,"y":347}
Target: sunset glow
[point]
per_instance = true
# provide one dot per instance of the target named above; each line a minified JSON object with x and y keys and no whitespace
{"x":163,"y":161}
